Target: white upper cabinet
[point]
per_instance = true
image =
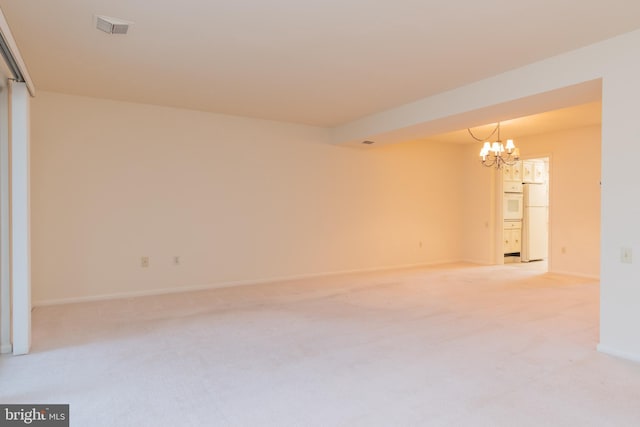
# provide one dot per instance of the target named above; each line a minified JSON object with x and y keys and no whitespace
{"x":533,"y":171}
{"x":512,"y":178}
{"x":516,"y":172}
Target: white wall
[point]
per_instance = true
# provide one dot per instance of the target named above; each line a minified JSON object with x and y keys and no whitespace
{"x":574,"y":199}
{"x":5,"y":224}
{"x":20,"y":248}
{"x":479,"y":218}
{"x":237,"y":199}
{"x":620,"y":283}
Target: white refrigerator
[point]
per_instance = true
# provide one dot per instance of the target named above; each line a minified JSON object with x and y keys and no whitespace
{"x":535,"y":219}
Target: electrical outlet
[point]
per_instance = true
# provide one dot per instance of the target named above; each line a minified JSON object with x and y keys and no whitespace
{"x":176,"y":260}
{"x":144,"y":262}
{"x":626,"y":255}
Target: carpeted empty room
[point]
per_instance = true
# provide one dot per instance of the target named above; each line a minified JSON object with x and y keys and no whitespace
{"x":449,"y":345}
{"x":330,"y":213}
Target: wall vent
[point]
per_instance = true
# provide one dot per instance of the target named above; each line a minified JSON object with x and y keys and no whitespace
{"x":112,"y":25}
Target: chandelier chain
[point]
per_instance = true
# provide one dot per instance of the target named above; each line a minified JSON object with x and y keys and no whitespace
{"x":484,"y":139}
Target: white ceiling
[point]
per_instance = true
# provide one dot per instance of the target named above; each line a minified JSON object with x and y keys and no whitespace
{"x":323,"y":62}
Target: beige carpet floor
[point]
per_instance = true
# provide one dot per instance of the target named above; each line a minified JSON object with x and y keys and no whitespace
{"x":456,"y":345}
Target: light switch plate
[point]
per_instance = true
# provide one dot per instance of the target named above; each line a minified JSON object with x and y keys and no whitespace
{"x":626,"y":255}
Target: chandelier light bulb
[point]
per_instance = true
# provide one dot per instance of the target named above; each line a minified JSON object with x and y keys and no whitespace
{"x":484,"y":152}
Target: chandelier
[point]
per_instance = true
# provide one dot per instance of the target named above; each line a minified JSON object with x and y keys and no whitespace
{"x":496,"y":153}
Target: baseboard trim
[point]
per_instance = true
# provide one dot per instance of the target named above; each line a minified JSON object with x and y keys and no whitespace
{"x":574,"y":274}
{"x":228,"y":284}
{"x":7,"y":348}
{"x":477,"y":262}
{"x":621,"y":354}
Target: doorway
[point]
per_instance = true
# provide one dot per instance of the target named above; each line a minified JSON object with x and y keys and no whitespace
{"x":525,"y":213}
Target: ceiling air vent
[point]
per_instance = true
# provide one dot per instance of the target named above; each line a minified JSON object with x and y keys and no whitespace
{"x":112,"y":25}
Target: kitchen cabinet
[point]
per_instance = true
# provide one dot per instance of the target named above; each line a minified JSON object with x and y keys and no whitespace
{"x":512,"y":172}
{"x":516,"y":172}
{"x":512,"y":178}
{"x":512,"y":237}
{"x":512,"y":187}
{"x":533,"y":172}
{"x":538,"y":172}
